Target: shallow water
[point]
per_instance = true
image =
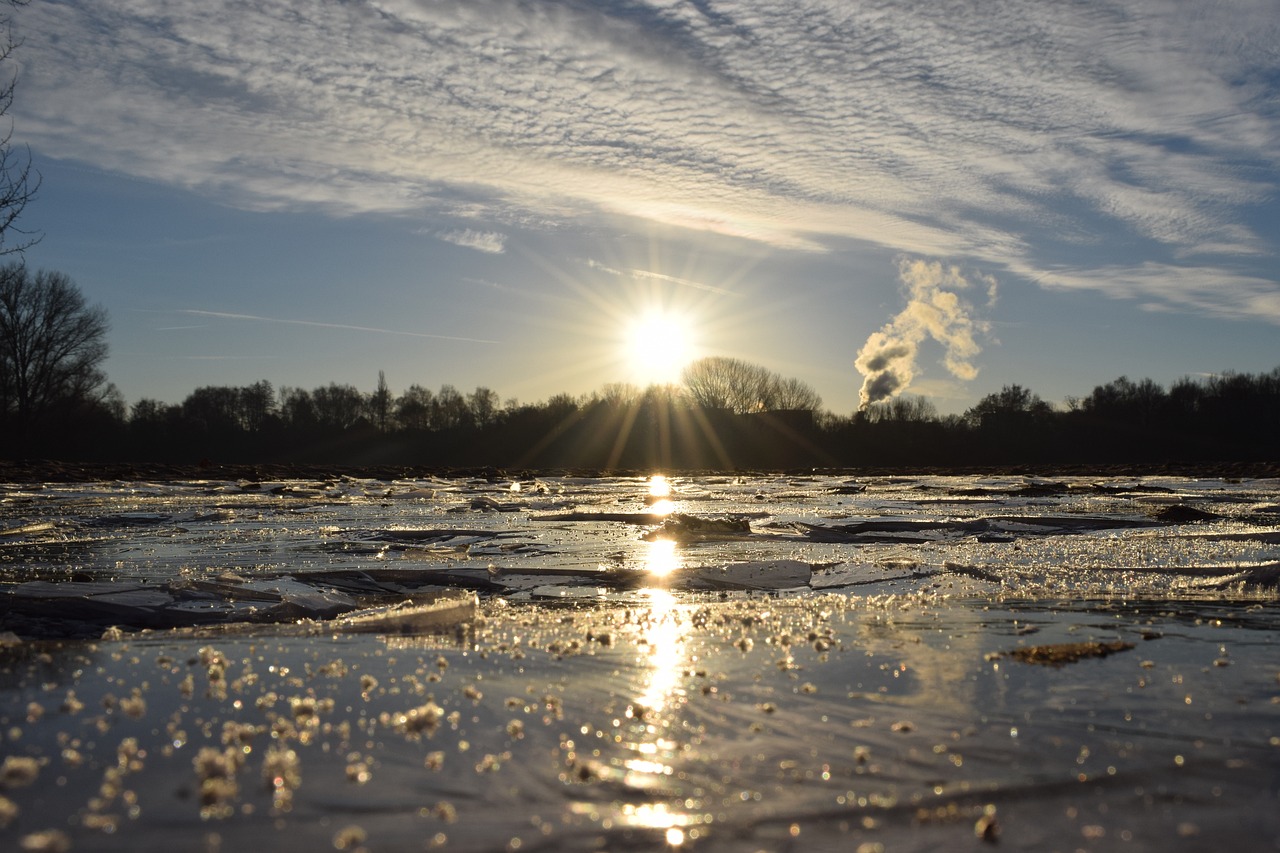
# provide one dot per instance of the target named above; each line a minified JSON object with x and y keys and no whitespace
{"x":859,"y":687}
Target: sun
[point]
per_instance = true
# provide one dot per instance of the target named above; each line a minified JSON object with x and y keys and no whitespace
{"x":659,"y":345}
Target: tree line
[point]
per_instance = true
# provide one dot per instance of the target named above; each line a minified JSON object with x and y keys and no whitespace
{"x":725,"y":415}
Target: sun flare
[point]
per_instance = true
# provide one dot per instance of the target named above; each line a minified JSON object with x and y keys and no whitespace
{"x":659,"y":345}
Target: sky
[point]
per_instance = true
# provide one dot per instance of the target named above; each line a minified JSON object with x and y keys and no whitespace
{"x":928,"y":198}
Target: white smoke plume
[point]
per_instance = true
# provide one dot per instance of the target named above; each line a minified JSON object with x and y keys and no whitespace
{"x":887,"y":361}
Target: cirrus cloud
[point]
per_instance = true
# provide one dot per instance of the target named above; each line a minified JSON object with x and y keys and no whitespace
{"x":1008,"y":132}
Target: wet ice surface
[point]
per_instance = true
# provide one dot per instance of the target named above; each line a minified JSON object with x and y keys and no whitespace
{"x":764,"y":663}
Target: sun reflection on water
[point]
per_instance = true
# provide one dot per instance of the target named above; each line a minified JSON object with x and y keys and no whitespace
{"x":652,"y":721}
{"x":663,"y":645}
{"x":661,"y":558}
{"x":659,"y":498}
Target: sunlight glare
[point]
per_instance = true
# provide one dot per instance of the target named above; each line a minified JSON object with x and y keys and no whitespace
{"x":661,"y":559}
{"x":659,"y":345}
{"x":659,"y":498}
{"x":665,"y":644}
{"x":659,"y":486}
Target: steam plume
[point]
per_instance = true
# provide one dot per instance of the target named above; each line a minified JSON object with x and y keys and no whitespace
{"x":887,"y":361}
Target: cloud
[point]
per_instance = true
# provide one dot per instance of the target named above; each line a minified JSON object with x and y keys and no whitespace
{"x":887,"y":361}
{"x":1004,"y":136}
{"x":482,"y":241}
{"x":1210,"y":291}
{"x":649,"y":275}
{"x":223,"y":315}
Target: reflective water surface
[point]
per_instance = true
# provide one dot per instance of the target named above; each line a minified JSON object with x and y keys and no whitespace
{"x":756,"y":663}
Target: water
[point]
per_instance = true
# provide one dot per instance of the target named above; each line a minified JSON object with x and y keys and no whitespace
{"x":759,"y":663}
{"x":1025,"y":537}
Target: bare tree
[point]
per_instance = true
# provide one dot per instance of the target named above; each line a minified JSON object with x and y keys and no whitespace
{"x":450,"y":410}
{"x":483,"y":403}
{"x":413,"y":407}
{"x":18,"y":183}
{"x":795,"y":395}
{"x":297,"y":409}
{"x":730,"y":383}
{"x":380,"y":404}
{"x":905,"y":409}
{"x":51,"y":347}
{"x":338,"y":406}
{"x":724,"y":383}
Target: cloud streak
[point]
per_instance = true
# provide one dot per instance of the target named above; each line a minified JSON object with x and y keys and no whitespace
{"x":649,"y":275}
{"x":224,"y":315}
{"x":490,"y":242}
{"x":1007,"y":133}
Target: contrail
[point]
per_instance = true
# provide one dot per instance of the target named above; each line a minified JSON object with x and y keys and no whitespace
{"x":658,"y":276}
{"x":228,"y":316}
{"x":696,"y":285}
{"x":887,"y":361}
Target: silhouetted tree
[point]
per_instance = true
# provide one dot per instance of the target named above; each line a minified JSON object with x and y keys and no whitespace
{"x":257,"y":405}
{"x":413,"y":408}
{"x":18,"y":183}
{"x":1012,"y":407}
{"x":297,"y":409}
{"x":792,"y":395}
{"x":450,"y":410}
{"x":51,"y":347}
{"x":380,"y":404}
{"x":617,"y":394}
{"x":1137,"y":403}
{"x":730,"y":383}
{"x":213,"y":409}
{"x":338,"y":407}
{"x":723,"y":383}
{"x":483,"y":404}
{"x":904,"y":409}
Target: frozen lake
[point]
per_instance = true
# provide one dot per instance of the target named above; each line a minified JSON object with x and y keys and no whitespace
{"x":716,"y":663}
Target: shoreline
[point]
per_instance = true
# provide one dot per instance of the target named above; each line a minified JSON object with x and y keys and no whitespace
{"x":57,"y":471}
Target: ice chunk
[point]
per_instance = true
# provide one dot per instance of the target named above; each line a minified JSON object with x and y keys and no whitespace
{"x":756,"y":574}
{"x":446,"y":612}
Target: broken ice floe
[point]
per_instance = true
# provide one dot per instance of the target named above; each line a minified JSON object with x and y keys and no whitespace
{"x":923,"y":530}
{"x":85,"y":608}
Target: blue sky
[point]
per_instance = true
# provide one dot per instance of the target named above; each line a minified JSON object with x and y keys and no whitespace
{"x":934,"y":198}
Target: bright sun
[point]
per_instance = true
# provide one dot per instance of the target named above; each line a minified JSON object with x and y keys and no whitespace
{"x":659,"y":346}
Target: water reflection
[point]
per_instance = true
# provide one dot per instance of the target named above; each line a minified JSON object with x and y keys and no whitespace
{"x":661,"y":559}
{"x":663,"y":645}
{"x":652,"y":724}
{"x":659,"y":499}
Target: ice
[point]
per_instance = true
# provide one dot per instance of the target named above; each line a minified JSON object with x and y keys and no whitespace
{"x":764,"y":662}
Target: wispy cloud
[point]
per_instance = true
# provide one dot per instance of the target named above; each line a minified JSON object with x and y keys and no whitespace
{"x":482,"y":241}
{"x":223,"y":315}
{"x":649,"y":275}
{"x":1145,"y":131}
{"x":229,"y":357}
{"x":1212,"y":291}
